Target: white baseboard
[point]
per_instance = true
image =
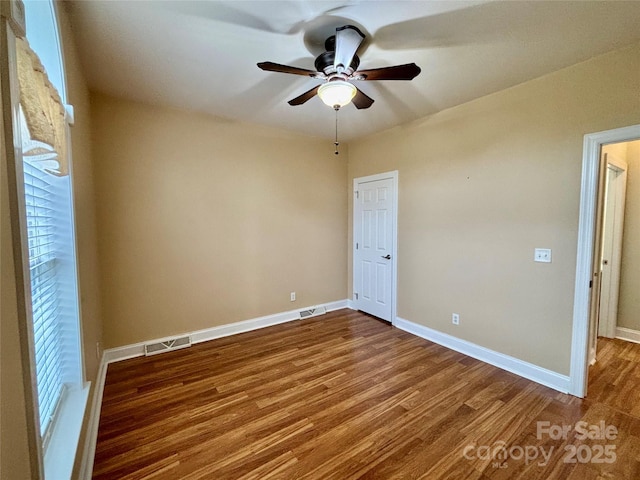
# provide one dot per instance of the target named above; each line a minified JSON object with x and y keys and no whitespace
{"x":628,"y":334}
{"x":137,"y":349}
{"x":524,"y":369}
{"x":91,"y":437}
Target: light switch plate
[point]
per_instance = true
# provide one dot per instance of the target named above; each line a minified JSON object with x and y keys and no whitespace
{"x":542,"y":255}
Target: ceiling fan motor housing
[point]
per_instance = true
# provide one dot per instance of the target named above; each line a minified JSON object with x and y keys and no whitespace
{"x":324,"y":63}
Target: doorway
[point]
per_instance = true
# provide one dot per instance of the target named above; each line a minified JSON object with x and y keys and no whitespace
{"x":375,"y":244}
{"x":615,"y":183}
{"x":588,"y":264}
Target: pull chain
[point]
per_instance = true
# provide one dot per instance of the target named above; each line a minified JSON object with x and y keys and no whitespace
{"x":336,"y":143}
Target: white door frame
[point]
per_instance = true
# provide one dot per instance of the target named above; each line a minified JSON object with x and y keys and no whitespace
{"x":585,"y":255}
{"x":393,"y":175}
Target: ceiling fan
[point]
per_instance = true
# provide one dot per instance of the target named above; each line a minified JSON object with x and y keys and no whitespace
{"x":338,"y":67}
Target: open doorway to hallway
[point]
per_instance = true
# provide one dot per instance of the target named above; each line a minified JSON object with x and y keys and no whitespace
{"x":615,"y":304}
{"x":588,"y":260}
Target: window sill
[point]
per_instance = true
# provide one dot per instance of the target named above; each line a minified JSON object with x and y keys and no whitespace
{"x":63,"y":445}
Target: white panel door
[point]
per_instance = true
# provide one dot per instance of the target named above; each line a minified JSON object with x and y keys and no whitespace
{"x":611,"y":257}
{"x":373,"y":247}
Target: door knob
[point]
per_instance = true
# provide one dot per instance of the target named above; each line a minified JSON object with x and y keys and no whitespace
{"x":388,"y":257}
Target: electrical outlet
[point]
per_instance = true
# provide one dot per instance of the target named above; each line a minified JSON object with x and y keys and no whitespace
{"x":542,"y":255}
{"x":455,"y":319}
{"x":293,"y":296}
{"x":98,"y":350}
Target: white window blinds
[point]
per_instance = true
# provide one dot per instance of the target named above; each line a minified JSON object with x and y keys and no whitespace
{"x":45,"y":299}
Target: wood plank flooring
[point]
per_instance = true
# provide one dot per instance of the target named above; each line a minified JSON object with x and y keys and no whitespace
{"x":346,"y":396}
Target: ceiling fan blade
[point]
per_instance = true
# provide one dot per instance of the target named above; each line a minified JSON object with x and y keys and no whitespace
{"x":408,"y":71}
{"x":276,"y":67}
{"x":361,"y":100}
{"x":348,"y":39}
{"x":308,"y":95}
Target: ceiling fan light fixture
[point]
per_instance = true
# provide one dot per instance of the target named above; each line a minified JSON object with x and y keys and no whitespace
{"x":336,"y":93}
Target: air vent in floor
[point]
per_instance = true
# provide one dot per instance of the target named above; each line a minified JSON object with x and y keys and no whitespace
{"x":167,"y":345}
{"x":312,"y":312}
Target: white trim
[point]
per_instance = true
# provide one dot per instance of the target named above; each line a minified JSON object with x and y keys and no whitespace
{"x":628,"y":334}
{"x":393,"y":175}
{"x":584,"y":262}
{"x":62,"y":448}
{"x":137,"y":349}
{"x":592,"y":356}
{"x":70,"y":115}
{"x":91,"y":437}
{"x":514,"y":365}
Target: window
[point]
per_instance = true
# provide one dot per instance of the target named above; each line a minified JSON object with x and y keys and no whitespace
{"x":50,"y":240}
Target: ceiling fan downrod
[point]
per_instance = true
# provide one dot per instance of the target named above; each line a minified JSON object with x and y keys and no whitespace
{"x":336,"y":143}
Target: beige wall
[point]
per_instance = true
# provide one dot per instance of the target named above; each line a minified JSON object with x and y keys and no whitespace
{"x":480,"y":186}
{"x":617,"y":149}
{"x":629,"y":299}
{"x":205,"y":222}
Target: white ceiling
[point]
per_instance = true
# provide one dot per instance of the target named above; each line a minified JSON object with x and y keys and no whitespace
{"x":202,"y":55}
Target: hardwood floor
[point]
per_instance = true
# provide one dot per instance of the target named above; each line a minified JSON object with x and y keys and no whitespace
{"x":615,"y":378}
{"x":346,"y":396}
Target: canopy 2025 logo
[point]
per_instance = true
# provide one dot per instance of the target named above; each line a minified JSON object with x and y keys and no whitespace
{"x":500,"y":454}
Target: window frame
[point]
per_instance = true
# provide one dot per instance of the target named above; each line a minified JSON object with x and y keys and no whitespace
{"x":58,"y":460}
